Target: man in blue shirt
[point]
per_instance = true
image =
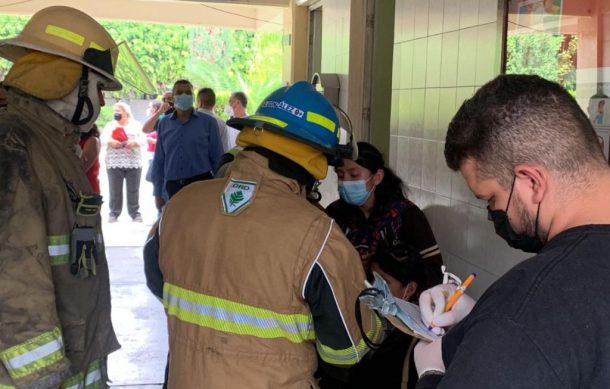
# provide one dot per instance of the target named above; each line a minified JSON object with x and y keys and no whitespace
{"x":188,"y":146}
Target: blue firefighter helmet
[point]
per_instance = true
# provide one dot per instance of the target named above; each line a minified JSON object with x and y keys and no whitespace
{"x":301,"y":113}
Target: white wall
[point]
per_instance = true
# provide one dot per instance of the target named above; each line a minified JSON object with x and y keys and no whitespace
{"x":335,"y":59}
{"x":445,"y":50}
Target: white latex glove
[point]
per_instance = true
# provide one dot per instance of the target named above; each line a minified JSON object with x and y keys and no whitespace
{"x":429,"y":356}
{"x":432,"y":305}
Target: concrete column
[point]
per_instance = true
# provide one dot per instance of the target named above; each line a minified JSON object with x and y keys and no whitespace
{"x":296,"y":22}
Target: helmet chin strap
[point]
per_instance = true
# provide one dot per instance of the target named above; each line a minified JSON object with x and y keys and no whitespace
{"x":83,"y":98}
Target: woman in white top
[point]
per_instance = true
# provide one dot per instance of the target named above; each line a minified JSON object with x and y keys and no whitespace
{"x":123,"y":137}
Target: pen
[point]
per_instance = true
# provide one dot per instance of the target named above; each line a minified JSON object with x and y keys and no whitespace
{"x":459,"y":291}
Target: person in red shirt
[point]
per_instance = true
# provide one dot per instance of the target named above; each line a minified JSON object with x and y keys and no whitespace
{"x":90,"y":145}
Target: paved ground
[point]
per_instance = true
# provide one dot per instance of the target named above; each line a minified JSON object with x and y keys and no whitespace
{"x":137,"y":316}
{"x":138,"y":320}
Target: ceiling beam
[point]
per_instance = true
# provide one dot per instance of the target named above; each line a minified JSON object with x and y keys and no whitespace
{"x":240,"y":14}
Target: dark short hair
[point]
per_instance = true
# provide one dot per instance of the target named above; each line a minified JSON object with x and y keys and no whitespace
{"x":403,"y":262}
{"x":391,"y":187}
{"x":206,"y":97}
{"x":517,"y":119}
{"x":181,"y":82}
{"x":241,"y":97}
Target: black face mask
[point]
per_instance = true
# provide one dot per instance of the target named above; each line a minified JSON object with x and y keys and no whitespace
{"x":117,"y":116}
{"x":529,"y":244}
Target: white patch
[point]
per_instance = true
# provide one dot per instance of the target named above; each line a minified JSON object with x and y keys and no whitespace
{"x":237,"y":195}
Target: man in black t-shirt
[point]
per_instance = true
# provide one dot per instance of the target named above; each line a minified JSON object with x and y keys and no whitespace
{"x":524,"y":145}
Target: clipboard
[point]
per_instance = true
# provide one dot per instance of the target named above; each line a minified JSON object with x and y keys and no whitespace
{"x":402,"y":314}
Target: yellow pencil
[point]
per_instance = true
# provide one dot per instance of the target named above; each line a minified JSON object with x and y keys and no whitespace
{"x":459,"y":291}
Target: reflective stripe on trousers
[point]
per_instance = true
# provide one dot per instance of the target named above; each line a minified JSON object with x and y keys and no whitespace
{"x":92,"y":379}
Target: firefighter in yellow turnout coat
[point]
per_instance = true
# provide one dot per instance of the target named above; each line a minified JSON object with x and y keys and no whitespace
{"x":55,"y":328}
{"x":257,"y":278}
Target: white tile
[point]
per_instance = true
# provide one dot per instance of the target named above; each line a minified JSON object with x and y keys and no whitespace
{"x":488,"y":63}
{"x":404,"y":112}
{"x":421,"y":19}
{"x":431,"y":114}
{"x":406,"y":65}
{"x":459,"y":189}
{"x":396,"y":62}
{"x":414,"y":194}
{"x":469,"y":13}
{"x":443,"y":173}
{"x":436,"y":212}
{"x":415,"y":161}
{"x":488,"y":11}
{"x":467,"y":57}
{"x":394,"y":112}
{"x":420,"y":56}
{"x":446,"y":110}
{"x":462,"y":94}
{"x":398,"y":21}
{"x":429,"y":165}
{"x":457,"y":226}
{"x":402,"y":156}
{"x":426,"y":199}
{"x":417,"y":111}
{"x":433,"y":63}
{"x":449,"y":58}
{"x":435,"y":17}
{"x":451,"y":16}
{"x":393,"y":160}
{"x":408,"y":20}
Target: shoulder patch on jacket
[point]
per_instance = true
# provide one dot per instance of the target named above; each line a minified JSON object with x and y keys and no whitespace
{"x":237,"y":195}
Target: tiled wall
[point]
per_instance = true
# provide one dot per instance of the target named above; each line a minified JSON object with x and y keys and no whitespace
{"x":445,"y":50}
{"x":335,"y":59}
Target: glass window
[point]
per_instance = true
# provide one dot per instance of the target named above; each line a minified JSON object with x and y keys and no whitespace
{"x":567,"y":41}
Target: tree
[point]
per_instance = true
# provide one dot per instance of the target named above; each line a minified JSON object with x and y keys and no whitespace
{"x":224,"y":59}
{"x":549,"y":56}
{"x":10,"y":26}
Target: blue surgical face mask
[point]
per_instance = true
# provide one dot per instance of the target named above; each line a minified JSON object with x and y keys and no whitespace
{"x":354,"y":192}
{"x":183,"y":102}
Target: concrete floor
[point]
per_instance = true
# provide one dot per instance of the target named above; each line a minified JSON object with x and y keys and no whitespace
{"x":139,"y":322}
{"x":137,"y":316}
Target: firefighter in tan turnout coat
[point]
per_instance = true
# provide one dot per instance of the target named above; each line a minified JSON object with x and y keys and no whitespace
{"x":55,"y":328}
{"x":257,"y":279}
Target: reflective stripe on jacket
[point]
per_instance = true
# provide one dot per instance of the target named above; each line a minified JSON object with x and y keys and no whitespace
{"x":250,"y":295}
{"x":53,"y":325}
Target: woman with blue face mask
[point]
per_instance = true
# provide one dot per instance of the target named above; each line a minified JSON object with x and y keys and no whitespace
{"x":373,"y":210}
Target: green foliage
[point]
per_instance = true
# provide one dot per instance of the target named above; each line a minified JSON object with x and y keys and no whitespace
{"x":10,"y":26}
{"x":549,"y":56}
{"x":236,"y":60}
{"x":161,"y":49}
{"x":106,"y":115}
{"x":224,"y":59}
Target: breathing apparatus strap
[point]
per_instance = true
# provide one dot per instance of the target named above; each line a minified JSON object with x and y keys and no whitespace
{"x":83,"y":98}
